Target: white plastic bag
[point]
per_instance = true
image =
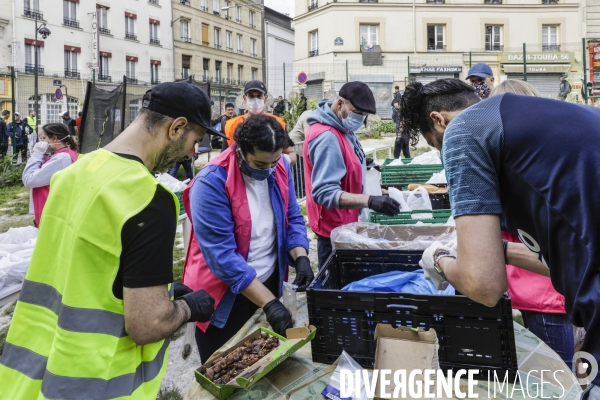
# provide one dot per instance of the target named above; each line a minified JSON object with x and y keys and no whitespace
{"x":431,"y":157}
{"x":400,"y":197}
{"x":438,"y":178}
{"x":373,"y":188}
{"x":345,"y":363}
{"x":418,"y":199}
{"x":174,"y":185}
{"x":18,"y":235}
{"x":396,"y":162}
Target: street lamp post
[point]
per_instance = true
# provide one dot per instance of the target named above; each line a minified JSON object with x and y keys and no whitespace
{"x":44,"y":32}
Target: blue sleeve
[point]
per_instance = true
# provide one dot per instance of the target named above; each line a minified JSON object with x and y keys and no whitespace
{"x":471,"y":152}
{"x":214,"y":226}
{"x":328,"y":169}
{"x":296,"y":232}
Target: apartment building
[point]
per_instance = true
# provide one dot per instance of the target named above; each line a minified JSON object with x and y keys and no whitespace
{"x":279,"y":38}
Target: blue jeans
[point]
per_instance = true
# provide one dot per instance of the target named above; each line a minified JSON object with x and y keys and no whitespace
{"x":187,"y":166}
{"x":592,"y":392}
{"x":555,"y":330}
{"x":324,"y":250}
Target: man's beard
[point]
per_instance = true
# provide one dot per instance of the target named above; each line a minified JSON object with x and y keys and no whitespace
{"x":174,"y":151}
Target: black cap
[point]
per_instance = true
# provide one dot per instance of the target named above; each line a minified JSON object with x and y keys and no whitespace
{"x":255,"y":84}
{"x":360,"y":96}
{"x":181,"y":99}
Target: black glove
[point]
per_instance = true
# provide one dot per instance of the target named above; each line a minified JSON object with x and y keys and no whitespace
{"x":179,"y":289}
{"x":304,"y":273}
{"x":201,"y":305}
{"x":278,"y":316}
{"x":384,"y":204}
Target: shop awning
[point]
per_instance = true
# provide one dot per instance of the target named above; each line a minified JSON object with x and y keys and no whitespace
{"x":536,"y":68}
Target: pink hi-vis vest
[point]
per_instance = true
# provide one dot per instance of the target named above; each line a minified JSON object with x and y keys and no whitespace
{"x":197,"y":274}
{"x":322,"y":220}
{"x":40,"y":194}
{"x":532,"y":292}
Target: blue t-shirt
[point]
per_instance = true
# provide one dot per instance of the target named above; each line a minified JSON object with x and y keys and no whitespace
{"x":536,"y":163}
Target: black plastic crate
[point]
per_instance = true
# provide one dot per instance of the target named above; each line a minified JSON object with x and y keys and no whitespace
{"x":439,"y":201}
{"x":470,"y":335}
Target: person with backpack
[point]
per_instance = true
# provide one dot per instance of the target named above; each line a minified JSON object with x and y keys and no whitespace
{"x":18,"y":131}
{"x":565,"y":88}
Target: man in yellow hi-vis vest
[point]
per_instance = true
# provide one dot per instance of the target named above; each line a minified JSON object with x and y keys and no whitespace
{"x":98,"y":303}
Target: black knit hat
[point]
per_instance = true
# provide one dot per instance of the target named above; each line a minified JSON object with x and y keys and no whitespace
{"x":360,"y":96}
{"x":181,"y":99}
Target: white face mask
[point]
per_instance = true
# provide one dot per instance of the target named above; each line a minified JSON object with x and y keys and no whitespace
{"x":255,"y":105}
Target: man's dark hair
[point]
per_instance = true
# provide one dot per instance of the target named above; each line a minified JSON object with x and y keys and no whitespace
{"x":397,"y":87}
{"x":5,"y":112}
{"x":229,"y":105}
{"x":418,"y":101}
{"x":79,"y":114}
{"x":260,"y":132}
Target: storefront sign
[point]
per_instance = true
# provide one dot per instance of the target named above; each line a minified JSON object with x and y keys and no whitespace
{"x":594,"y":50}
{"x":543,"y":57}
{"x":338,"y":41}
{"x":436,"y":70}
{"x":95,"y":41}
{"x":536,"y":68}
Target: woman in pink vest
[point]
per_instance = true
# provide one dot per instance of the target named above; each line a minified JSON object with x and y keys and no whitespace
{"x":55,"y":151}
{"x":247,"y":230}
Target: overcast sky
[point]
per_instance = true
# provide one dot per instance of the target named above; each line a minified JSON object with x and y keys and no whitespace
{"x":283,"y":6}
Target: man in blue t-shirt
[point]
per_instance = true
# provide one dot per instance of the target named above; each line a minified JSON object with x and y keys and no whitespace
{"x":527,"y":165}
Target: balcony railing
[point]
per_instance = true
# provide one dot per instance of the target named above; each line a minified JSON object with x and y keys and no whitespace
{"x":227,"y":16}
{"x":205,"y":43}
{"x":131,"y":79}
{"x":313,"y":53}
{"x":253,"y":55}
{"x":130,"y":36}
{"x":203,"y":8}
{"x":549,"y":1}
{"x":104,"y":78}
{"x":154,"y":81}
{"x":238,"y":21}
{"x":72,"y":73}
{"x":155,"y":41}
{"x":153,"y":2}
{"x":313,"y":6}
{"x":436,"y":47}
{"x":368,"y":1}
{"x":30,"y":69}
{"x":551,"y":47}
{"x":73,"y":23}
{"x":104,"y":31}
{"x":185,"y":73}
{"x":252,"y":26}
{"x":217,"y":13}
{"x":492,"y":1}
{"x":494,"y":47}
{"x":217,"y":46}
{"x":240,"y":51}
{"x":436,"y":1}
{"x":229,"y":49}
{"x":186,"y":39}
{"x":185,"y":2}
{"x":31,"y":13}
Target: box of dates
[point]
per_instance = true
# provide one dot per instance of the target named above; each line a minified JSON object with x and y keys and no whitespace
{"x":249,"y":360}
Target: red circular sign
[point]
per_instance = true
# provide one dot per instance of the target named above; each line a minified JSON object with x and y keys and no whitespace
{"x":58,"y":94}
{"x":302,"y":78}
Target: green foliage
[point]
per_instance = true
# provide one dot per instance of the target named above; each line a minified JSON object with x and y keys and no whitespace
{"x":169,"y":393}
{"x":295,"y":108}
{"x":10,"y":174}
{"x":312,"y":104}
{"x":380,"y":127}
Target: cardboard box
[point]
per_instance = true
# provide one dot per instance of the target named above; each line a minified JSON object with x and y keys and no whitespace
{"x":296,"y":338}
{"x":404,"y":348}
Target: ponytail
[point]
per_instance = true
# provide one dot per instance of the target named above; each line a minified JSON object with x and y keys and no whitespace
{"x":61,"y":132}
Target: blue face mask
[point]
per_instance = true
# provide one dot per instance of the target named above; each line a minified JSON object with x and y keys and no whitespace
{"x":353,"y":121}
{"x":254,"y":173}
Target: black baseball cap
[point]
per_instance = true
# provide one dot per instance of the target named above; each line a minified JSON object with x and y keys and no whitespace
{"x":181,"y":99}
{"x":255,"y":84}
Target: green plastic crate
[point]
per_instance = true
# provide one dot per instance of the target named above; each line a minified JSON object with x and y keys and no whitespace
{"x":404,"y":161}
{"x":180,"y":197}
{"x":406,"y":217}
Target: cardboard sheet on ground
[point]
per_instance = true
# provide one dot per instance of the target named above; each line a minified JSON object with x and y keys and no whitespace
{"x":299,"y":377}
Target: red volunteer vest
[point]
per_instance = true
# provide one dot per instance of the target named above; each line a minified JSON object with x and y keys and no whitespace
{"x":322,"y":220}
{"x":197,"y":274}
{"x":40,"y":195}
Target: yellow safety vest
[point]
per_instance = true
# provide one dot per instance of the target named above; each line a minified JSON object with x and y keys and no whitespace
{"x":67,"y":339}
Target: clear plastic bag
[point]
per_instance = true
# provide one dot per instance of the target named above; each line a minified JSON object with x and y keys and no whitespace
{"x":345,"y":363}
{"x":431,"y":157}
{"x":289,"y":300}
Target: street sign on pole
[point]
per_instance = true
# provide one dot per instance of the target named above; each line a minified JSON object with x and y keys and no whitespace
{"x":302,"y":86}
{"x":58,"y":93}
{"x":302,"y":78}
{"x":57,"y":82}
